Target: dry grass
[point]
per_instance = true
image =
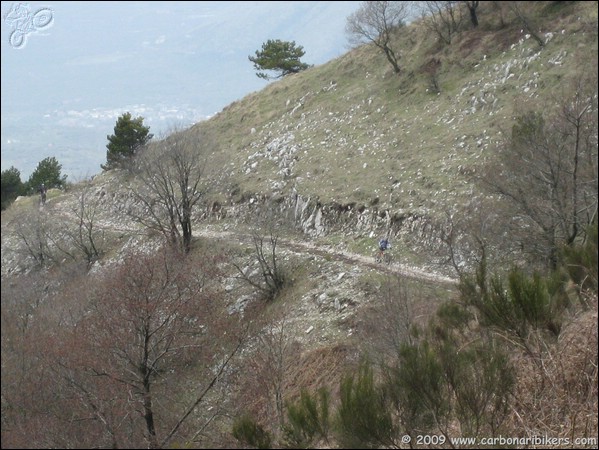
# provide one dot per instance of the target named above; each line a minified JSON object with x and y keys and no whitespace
{"x":557,"y":391}
{"x":364,"y":135}
{"x":320,"y":367}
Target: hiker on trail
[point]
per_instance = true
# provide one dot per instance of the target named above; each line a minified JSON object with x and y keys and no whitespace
{"x":43,"y":190}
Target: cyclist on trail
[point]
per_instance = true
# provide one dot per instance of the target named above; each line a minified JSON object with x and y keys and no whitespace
{"x":384,"y":244}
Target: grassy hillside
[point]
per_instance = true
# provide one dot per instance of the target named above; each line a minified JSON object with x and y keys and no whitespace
{"x":352,"y":132}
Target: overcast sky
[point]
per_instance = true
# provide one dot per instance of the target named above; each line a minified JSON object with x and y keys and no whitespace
{"x":69,"y":69}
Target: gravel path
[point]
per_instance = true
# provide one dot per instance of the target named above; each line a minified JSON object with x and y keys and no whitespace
{"x":347,"y":257}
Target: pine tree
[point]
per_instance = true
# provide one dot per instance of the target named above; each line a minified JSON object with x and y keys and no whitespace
{"x":279,"y":56}
{"x":129,"y":135}
{"x":48,"y":172}
{"x":12,"y":186}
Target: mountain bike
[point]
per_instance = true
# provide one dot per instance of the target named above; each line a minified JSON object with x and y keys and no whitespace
{"x":383,"y":257}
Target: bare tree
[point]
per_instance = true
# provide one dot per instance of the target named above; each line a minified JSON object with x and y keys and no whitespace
{"x":444,"y":18}
{"x":577,"y":124}
{"x":267,"y":384}
{"x":548,"y":172}
{"x":21,"y":299}
{"x":431,"y":70}
{"x":34,"y":236}
{"x":171,"y":174}
{"x":473,"y":233}
{"x":518,"y":9}
{"x":472,"y":7}
{"x":83,"y":238}
{"x":128,"y":358}
{"x":32,"y":399}
{"x":270,"y":276}
{"x":45,"y":236}
{"x":499,"y":8}
{"x":272,"y":363}
{"x":376,"y":22}
{"x":389,"y":323}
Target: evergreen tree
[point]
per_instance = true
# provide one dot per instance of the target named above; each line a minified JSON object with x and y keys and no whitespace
{"x":129,"y":135}
{"x":47,"y":172}
{"x":279,"y":56}
{"x":12,"y":186}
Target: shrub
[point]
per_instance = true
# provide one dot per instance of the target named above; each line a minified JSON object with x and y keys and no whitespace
{"x":308,"y":418}
{"x":364,"y":419}
{"x":247,"y":431}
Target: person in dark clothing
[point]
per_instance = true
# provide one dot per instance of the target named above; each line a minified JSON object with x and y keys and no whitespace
{"x":384,"y":244}
{"x":43,"y":191}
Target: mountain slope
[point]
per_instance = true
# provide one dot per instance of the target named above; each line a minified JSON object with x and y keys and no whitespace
{"x":350,"y":132}
{"x":345,"y":151}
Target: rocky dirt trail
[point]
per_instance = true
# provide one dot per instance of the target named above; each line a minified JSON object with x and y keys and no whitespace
{"x":303,"y":247}
{"x":338,"y":286}
{"x":325,"y":312}
{"x":119,"y":223}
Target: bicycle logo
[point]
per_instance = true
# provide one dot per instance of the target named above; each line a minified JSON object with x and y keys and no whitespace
{"x":25,"y":21}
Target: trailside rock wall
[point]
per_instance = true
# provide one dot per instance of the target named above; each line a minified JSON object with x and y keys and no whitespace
{"x":316,"y":219}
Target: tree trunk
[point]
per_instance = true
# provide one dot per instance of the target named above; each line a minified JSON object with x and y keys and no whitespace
{"x":149,"y":415}
{"x":473,"y":17}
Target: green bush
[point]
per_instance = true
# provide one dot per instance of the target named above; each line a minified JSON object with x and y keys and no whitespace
{"x":48,"y":172}
{"x":12,"y":186}
{"x":416,"y":387}
{"x":308,"y":419}
{"x":450,"y":317}
{"x":580,"y":261}
{"x":481,"y":380}
{"x":130,"y":135}
{"x":364,"y":419}
{"x":522,"y":304}
{"x":248,"y":432}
